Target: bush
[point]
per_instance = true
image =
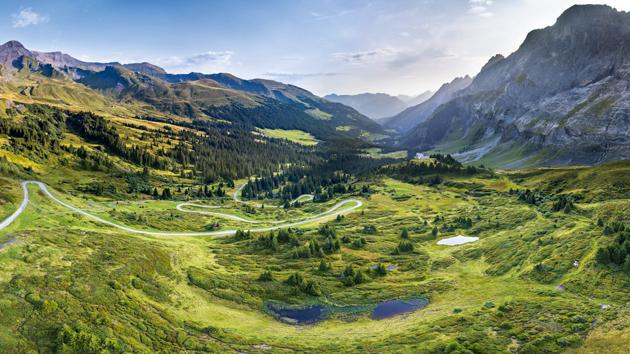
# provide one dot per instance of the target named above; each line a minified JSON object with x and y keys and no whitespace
{"x":359,"y":242}
{"x":369,"y":229}
{"x":324,"y":266}
{"x":404,"y":247}
{"x":380,"y":270}
{"x":265,"y":276}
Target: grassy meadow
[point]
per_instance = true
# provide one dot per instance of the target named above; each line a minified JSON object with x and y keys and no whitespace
{"x":530,"y":284}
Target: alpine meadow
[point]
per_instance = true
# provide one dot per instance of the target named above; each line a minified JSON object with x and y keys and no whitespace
{"x":315,"y":177}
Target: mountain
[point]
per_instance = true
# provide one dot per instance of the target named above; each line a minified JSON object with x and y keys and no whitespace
{"x":9,"y":53}
{"x":373,"y":105}
{"x":61,"y":60}
{"x":144,"y":89}
{"x":411,"y":101}
{"x":561,"y":99}
{"x":413,"y":116}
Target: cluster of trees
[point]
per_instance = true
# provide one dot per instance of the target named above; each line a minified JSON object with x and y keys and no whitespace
{"x":292,"y":183}
{"x":350,"y":276}
{"x":564,"y":203}
{"x":611,"y":227}
{"x":534,"y":197}
{"x":78,"y":339}
{"x":310,"y":287}
{"x":314,"y":248}
{"x":528,"y":196}
{"x":208,"y":151}
{"x":369,"y":230}
{"x":617,"y":253}
{"x":429,"y":172}
{"x":96,"y":129}
{"x":232,"y":151}
{"x":242,"y":235}
{"x":463,"y":222}
{"x":404,"y":246}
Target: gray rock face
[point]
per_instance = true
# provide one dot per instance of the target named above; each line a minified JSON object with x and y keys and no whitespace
{"x":10,"y":53}
{"x":562,"y":98}
{"x":61,"y":60}
{"x":414,"y":116}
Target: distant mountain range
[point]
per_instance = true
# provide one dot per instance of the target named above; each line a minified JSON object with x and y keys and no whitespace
{"x":145,"y":90}
{"x":414,"y":115}
{"x":563,"y":98}
{"x":379,"y":105}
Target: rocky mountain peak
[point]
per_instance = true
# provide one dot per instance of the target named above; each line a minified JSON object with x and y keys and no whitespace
{"x":580,"y":14}
{"x":12,"y":45}
{"x":10,"y":52}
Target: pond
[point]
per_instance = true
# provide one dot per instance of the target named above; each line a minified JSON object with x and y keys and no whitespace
{"x":457,"y":240}
{"x":390,"y":267}
{"x":390,"y":308}
{"x":298,"y":316}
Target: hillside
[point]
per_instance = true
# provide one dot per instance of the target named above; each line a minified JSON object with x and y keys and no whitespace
{"x":560,"y":99}
{"x":415,"y":115}
{"x":143,"y":90}
{"x":145,"y":210}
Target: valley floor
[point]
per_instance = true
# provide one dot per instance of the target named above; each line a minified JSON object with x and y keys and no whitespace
{"x":530,"y":284}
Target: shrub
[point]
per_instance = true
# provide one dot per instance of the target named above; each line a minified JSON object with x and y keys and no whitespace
{"x":404,"y":246}
{"x":265,"y":276}
{"x":359,"y":242}
{"x":369,"y":229}
{"x":380,"y":270}
{"x":324,"y":266}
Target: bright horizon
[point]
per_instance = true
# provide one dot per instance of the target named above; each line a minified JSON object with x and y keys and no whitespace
{"x":344,"y":47}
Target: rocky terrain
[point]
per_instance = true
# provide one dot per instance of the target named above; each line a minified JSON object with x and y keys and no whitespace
{"x":560,"y":99}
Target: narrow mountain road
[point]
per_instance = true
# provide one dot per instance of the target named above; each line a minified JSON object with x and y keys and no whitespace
{"x":337,"y":209}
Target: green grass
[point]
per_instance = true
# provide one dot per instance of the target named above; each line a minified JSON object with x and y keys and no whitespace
{"x":296,"y":136}
{"x":319,"y":114}
{"x":376,"y":153}
{"x":136,"y":291}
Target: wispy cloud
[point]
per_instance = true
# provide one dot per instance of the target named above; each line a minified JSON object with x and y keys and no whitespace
{"x":298,"y":76}
{"x":211,"y":60}
{"x":393,"y":58}
{"x":27,"y":17}
{"x":361,"y":57}
{"x":319,"y":16}
{"x":480,"y":7}
{"x":404,"y":59}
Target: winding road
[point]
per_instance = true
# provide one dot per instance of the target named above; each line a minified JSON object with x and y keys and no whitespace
{"x":333,"y":211}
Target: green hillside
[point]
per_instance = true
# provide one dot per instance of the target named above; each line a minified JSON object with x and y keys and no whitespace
{"x":533,"y":282}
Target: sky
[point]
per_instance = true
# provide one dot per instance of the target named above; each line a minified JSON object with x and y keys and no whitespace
{"x":326,"y":46}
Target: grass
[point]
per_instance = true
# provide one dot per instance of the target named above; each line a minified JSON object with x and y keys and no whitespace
{"x":319,"y":114}
{"x":296,"y":136}
{"x":136,"y":291}
{"x":377,"y":153}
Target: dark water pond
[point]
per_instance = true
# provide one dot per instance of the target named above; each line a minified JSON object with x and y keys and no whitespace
{"x":300,"y":316}
{"x":391,"y":267}
{"x":392,"y":308}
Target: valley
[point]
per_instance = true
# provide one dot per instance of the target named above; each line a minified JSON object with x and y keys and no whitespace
{"x":471,"y":288}
{"x":164,"y":209}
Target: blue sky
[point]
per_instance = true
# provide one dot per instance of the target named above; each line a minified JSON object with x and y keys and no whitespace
{"x":342,"y":46}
